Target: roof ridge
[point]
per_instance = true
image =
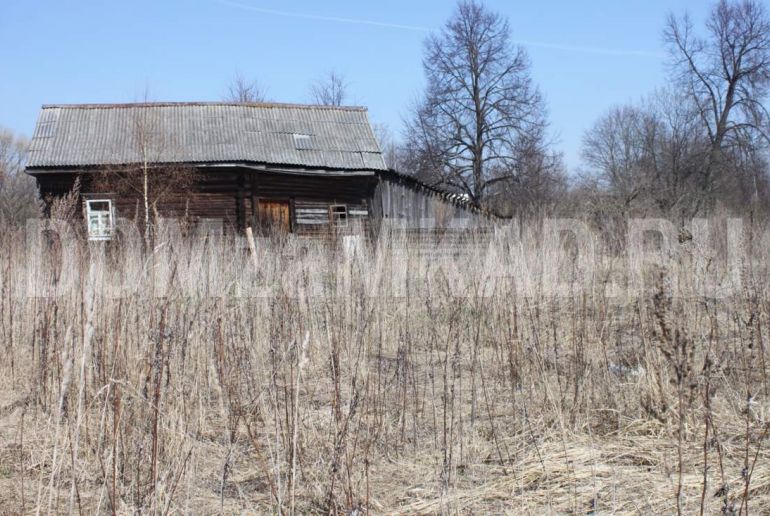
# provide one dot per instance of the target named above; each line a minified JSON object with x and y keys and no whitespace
{"x":266,"y":105}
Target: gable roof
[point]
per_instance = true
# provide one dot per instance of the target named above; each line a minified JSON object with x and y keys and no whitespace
{"x":324,"y":137}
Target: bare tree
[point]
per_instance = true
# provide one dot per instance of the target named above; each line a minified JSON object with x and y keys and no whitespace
{"x":727,"y":76}
{"x":13,"y":153}
{"x":18,"y":191}
{"x":392,"y":151}
{"x":540,"y":185}
{"x":647,"y":156}
{"x":330,"y":90}
{"x":480,"y":111}
{"x":617,"y":151}
{"x":152,"y":175}
{"x":243,"y":90}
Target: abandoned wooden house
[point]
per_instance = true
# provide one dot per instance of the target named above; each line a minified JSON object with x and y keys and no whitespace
{"x":308,"y":170}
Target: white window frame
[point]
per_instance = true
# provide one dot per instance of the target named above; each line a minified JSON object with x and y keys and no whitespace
{"x":334,"y":219}
{"x":104,"y":219}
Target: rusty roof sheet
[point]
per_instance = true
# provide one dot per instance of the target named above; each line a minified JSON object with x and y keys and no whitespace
{"x":321,"y":137}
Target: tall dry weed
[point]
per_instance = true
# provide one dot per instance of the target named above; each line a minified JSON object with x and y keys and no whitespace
{"x":202,"y":375}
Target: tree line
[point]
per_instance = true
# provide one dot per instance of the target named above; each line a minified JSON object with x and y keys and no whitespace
{"x":699,"y":144}
{"x":702,"y":142}
{"x":480,"y":127}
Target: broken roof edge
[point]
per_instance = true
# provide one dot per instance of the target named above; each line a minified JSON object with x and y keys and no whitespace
{"x":264,"y":105}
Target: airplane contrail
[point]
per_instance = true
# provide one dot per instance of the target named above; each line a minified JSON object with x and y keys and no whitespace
{"x":415,"y":28}
{"x":323,"y":18}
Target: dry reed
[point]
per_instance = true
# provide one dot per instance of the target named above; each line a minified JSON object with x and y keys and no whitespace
{"x":192,"y":377}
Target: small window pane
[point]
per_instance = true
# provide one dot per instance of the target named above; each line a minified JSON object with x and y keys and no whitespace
{"x":99,"y":219}
{"x":99,"y":205}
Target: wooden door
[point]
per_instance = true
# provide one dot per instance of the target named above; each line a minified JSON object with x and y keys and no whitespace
{"x":274,"y":216}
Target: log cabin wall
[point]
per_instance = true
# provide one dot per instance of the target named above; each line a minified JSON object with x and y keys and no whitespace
{"x":312,"y":197}
{"x":232,"y":195}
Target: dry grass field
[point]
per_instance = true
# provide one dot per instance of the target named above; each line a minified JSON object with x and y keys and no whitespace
{"x":194,"y":377}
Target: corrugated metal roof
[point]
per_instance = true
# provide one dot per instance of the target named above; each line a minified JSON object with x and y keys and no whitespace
{"x":113,"y":134}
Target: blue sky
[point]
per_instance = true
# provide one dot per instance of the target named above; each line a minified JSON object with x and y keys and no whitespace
{"x":586,"y":56}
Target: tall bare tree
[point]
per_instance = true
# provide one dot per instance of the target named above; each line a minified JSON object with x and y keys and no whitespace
{"x":726,"y":73}
{"x":242,"y":90}
{"x":481,"y":112}
{"x":329,"y":90}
